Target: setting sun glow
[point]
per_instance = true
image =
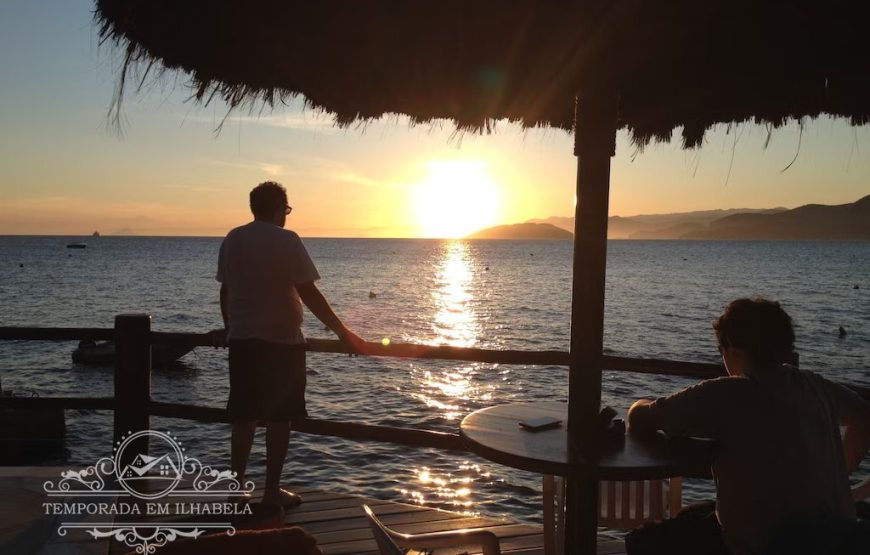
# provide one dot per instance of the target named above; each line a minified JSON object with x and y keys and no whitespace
{"x":456,"y":198}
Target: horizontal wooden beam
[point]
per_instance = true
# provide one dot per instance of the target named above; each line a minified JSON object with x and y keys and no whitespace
{"x":56,"y":334}
{"x":446,"y":352}
{"x":348,"y":430}
{"x":84,"y":403}
{"x":700,"y":370}
{"x":695,"y":370}
{"x":468,"y":354}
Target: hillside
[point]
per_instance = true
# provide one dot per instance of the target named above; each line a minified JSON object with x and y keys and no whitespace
{"x":811,"y":221}
{"x":657,"y":226}
{"x":522,"y":231}
{"x":849,"y":221}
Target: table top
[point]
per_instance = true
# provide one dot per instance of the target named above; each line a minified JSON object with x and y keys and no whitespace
{"x":494,"y":433}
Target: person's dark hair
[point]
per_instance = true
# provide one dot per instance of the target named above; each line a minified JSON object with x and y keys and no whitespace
{"x":758,"y":326}
{"x":266,"y":198}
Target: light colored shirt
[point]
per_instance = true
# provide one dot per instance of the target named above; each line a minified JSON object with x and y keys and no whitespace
{"x":260,"y":264}
{"x":781,"y":455}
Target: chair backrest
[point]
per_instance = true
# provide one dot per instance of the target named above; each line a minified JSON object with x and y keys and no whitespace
{"x":861,"y":490}
{"x":386,"y":545}
{"x":630,"y":504}
{"x":618,"y":505}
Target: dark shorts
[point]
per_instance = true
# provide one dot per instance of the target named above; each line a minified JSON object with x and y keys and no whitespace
{"x":267,"y":381}
{"x":694,"y":531}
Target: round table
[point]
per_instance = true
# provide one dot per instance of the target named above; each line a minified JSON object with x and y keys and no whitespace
{"x":494,"y":433}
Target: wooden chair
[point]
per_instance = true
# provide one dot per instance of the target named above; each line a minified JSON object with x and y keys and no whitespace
{"x":391,"y":542}
{"x":622,"y":505}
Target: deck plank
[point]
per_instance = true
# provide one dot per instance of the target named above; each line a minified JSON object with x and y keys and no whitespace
{"x":338,"y":523}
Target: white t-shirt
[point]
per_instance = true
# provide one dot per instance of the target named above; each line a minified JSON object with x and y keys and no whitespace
{"x":260,"y":264}
{"x":781,"y":455}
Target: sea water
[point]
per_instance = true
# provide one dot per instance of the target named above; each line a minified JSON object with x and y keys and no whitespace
{"x":661,"y":299}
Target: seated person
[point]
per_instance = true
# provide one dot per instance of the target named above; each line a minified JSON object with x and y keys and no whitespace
{"x":781,"y":458}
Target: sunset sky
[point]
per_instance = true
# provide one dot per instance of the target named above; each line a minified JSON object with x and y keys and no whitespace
{"x":65,"y":170}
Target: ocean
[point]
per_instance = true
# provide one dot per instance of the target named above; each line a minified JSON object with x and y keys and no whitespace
{"x":661,"y":299}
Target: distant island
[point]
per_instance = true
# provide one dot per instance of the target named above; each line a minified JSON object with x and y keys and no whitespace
{"x":522,"y":231}
{"x":812,"y":221}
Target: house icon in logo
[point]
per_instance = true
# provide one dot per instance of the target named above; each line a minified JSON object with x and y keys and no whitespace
{"x":150,"y":476}
{"x":146,"y":467}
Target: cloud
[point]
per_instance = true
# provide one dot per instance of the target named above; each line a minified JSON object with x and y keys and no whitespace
{"x":53,"y":215}
{"x":274,"y":170}
{"x":194,"y":188}
{"x":357,"y":179}
{"x":302,"y":121}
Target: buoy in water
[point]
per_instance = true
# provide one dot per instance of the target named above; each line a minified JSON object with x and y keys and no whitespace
{"x":372,"y":294}
{"x":842,"y":332}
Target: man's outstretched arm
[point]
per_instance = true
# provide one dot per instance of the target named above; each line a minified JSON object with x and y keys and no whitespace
{"x":219,"y":337}
{"x":319,"y":306}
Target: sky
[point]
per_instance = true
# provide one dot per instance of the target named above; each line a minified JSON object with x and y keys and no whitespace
{"x":66,"y":170}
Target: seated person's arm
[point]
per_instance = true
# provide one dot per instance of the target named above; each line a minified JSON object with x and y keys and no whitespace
{"x":695,"y":411}
{"x":642,"y":417}
{"x":854,"y":414}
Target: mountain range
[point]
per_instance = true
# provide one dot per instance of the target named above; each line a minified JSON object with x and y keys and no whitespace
{"x":812,"y":221}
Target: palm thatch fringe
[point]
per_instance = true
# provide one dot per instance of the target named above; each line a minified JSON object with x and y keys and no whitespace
{"x":678,"y":64}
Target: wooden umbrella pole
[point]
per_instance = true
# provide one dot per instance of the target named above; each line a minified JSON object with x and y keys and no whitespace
{"x":594,"y":145}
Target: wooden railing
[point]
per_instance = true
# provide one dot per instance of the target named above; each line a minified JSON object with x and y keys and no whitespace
{"x":133,"y":406}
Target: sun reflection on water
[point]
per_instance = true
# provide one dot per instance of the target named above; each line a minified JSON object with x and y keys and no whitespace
{"x":455,"y":321}
{"x":446,"y":489}
{"x":449,"y":390}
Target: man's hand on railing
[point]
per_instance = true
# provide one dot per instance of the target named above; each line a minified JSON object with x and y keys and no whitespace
{"x":354,"y":343}
{"x":217,"y":338}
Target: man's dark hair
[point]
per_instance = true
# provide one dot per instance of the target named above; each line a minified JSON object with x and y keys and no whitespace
{"x":267,"y":197}
{"x":758,"y":326}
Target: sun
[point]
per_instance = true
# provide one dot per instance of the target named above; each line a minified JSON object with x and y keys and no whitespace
{"x":456,"y":198}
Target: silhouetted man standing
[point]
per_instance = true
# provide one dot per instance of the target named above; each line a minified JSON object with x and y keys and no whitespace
{"x":265,"y":275}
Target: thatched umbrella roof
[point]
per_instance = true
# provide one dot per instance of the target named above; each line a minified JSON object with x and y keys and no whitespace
{"x":645,"y":65}
{"x":686,"y":64}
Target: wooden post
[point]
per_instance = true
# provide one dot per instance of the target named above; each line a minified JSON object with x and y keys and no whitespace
{"x":594,"y":145}
{"x":132,"y":380}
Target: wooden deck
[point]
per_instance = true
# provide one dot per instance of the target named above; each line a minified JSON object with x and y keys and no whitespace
{"x":336,"y":520}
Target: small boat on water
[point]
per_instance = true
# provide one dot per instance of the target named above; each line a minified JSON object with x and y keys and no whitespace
{"x":103,"y":353}
{"x":77,"y":245}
